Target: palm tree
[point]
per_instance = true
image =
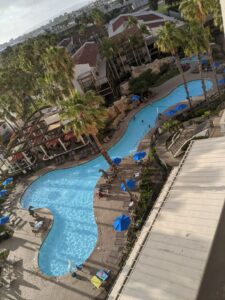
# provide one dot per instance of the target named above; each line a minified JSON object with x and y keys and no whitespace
{"x":195,"y":44}
{"x":169,"y":41}
{"x":197,"y":11}
{"x":107,"y":51}
{"x":98,"y":19}
{"x":87,"y":116}
{"x":144,"y":31}
{"x":132,"y":22}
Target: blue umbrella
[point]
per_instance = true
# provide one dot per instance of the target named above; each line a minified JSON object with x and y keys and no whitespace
{"x":135,"y":98}
{"x":180,"y":107}
{"x":3,"y":193}
{"x":216,"y":64}
{"x":121,"y":223}
{"x":221,"y":81}
{"x":139,"y":155}
{"x":130,"y":184}
{"x":170,"y":113}
{"x":8,"y":181}
{"x":4,"y":220}
{"x":117,"y":161}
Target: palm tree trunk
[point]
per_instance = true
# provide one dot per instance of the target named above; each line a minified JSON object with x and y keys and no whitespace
{"x":146,"y":47}
{"x":122,"y":62}
{"x":134,"y":54}
{"x":201,"y":76}
{"x":114,"y":69}
{"x":138,"y":55}
{"x":179,"y":67}
{"x":127,"y":188}
{"x":214,"y":71}
{"x":104,"y":152}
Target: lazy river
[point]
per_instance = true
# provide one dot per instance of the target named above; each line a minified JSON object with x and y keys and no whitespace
{"x":68,"y":193}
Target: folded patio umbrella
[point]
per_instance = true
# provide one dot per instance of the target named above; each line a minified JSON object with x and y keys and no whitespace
{"x":204,"y":61}
{"x":135,"y":98}
{"x":180,"y":107}
{"x":117,"y":161}
{"x":130,"y":184}
{"x":139,"y":155}
{"x":170,"y":113}
{"x":8,"y":181}
{"x":3,"y":193}
{"x":216,"y":64}
{"x":121,"y":223}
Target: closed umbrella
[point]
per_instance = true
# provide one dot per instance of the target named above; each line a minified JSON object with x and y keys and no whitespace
{"x":130,"y":184}
{"x":116,"y":161}
{"x":139,"y":155}
{"x":216,"y":64}
{"x":7,"y":181}
{"x":3,"y":193}
{"x":121,"y":223}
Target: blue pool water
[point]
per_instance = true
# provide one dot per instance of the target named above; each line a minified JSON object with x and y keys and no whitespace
{"x":192,"y":59}
{"x":68,"y":193}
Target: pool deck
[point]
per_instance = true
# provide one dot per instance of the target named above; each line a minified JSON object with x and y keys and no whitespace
{"x":30,"y":283}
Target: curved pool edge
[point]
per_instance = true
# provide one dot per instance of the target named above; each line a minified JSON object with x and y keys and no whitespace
{"x":121,"y":132}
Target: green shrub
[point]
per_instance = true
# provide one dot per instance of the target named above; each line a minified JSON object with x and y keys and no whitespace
{"x":4,"y":253}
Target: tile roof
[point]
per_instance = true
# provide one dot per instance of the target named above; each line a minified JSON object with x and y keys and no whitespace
{"x":148,"y":18}
{"x":155,"y":24}
{"x":144,"y":17}
{"x":65,"y":42}
{"x":87,"y":54}
{"x":119,"y":22}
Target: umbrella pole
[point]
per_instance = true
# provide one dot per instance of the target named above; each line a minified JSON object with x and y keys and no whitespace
{"x":127,"y":188}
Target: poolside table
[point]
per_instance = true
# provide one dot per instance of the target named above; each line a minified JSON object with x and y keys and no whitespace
{"x":101,"y":274}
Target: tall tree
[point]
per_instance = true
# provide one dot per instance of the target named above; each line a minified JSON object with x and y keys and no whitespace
{"x":153,"y":4}
{"x":145,"y":32}
{"x":87,"y":115}
{"x":197,"y":11}
{"x":169,"y":40}
{"x":98,"y":19}
{"x":107,"y":50}
{"x":195,"y":44}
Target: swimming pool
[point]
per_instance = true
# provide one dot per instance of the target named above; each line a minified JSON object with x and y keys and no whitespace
{"x":68,"y":193}
{"x":192,"y":59}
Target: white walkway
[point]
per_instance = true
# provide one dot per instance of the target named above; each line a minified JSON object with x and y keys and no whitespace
{"x":171,"y":263}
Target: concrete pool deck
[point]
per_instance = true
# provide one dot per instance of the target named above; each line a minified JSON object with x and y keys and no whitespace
{"x":30,"y":284}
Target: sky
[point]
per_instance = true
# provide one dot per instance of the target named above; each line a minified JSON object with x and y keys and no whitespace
{"x":21,"y":16}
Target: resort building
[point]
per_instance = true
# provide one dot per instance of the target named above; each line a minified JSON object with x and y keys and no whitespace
{"x":135,"y":52}
{"x":91,"y":72}
{"x":180,"y":251}
{"x":67,"y":44}
{"x":43,"y":138}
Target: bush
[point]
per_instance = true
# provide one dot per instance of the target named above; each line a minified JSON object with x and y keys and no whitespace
{"x":142,"y":83}
{"x":4,"y":253}
{"x":164,"y":68}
